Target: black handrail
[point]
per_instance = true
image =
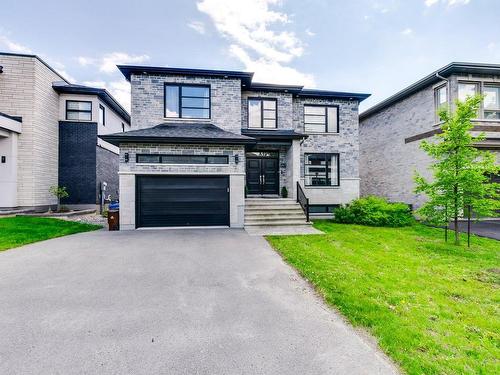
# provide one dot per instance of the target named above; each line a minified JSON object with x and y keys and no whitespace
{"x":303,"y":200}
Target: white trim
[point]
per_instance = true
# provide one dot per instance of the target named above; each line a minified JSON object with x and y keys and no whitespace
{"x":10,"y":124}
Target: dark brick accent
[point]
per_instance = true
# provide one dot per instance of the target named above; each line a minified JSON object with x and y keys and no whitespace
{"x":107,"y":171}
{"x":77,"y":161}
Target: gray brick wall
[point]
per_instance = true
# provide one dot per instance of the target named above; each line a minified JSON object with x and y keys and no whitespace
{"x":107,"y":164}
{"x":346,"y":142}
{"x":387,"y":163}
{"x":134,"y":149}
{"x":148,"y":100}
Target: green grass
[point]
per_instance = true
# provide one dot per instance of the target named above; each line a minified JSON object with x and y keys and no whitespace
{"x":22,"y":230}
{"x":434,"y":307}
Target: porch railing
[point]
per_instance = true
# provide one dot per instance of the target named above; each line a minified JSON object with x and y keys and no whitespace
{"x":303,"y":200}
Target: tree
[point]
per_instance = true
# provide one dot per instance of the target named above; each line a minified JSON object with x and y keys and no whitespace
{"x":461,"y":173}
{"x":59,"y":192}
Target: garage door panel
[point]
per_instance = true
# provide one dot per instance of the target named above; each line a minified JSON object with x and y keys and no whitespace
{"x":182,"y":201}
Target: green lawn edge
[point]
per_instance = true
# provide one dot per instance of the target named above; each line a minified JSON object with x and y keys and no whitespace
{"x":17,"y":231}
{"x":433,"y":307}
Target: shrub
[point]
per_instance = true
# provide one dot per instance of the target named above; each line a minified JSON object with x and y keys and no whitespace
{"x":374,"y":211}
{"x":284,"y":192}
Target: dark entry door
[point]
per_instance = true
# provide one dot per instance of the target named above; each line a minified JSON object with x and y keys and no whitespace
{"x":165,"y":201}
{"x":262,"y":176}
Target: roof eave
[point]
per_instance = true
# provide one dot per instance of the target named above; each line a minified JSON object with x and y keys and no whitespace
{"x":117,"y":140}
{"x":446,"y":71}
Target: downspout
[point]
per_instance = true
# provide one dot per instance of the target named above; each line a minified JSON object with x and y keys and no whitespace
{"x":448,"y":88}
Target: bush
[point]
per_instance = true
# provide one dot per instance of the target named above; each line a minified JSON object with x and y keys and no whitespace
{"x":284,"y":192}
{"x":374,"y":211}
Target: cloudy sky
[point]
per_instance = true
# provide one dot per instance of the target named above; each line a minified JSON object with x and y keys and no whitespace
{"x":373,"y":46}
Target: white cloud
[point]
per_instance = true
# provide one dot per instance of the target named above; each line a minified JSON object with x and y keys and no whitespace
{"x":271,"y":71}
{"x":407,"y":31}
{"x":99,"y":84}
{"x":310,"y":33}
{"x":13,"y":46}
{"x":107,"y":63}
{"x":197,"y":26}
{"x":430,"y":3}
{"x":257,"y":35}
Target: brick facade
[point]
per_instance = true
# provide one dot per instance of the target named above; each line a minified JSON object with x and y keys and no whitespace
{"x":387,"y":162}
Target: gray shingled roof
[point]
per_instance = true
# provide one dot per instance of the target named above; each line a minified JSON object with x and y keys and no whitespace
{"x":178,"y":133}
{"x":273,"y":134}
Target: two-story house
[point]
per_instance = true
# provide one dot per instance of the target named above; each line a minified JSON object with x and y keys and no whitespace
{"x":48,"y":137}
{"x":213,"y":148}
{"x":391,"y":131}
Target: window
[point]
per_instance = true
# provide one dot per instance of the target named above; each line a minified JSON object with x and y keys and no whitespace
{"x":78,"y":110}
{"x":183,"y":159}
{"x":321,"y":119}
{"x":123,"y":127}
{"x":492,"y":102}
{"x":441,"y":94}
{"x":322,"y":170}
{"x":187,"y":101}
{"x":262,"y":113}
{"x":322,"y":208}
{"x":102,"y":115}
{"x":466,"y":89}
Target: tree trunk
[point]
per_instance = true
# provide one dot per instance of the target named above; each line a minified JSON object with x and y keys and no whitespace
{"x":455,"y":216}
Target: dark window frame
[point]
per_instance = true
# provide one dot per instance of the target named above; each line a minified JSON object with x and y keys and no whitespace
{"x":275,"y":100}
{"x":326,"y":106}
{"x":79,"y":111}
{"x":180,"y":86}
{"x":160,"y":159}
{"x":123,"y":127}
{"x":497,"y":109}
{"x":103,"y":114}
{"x":327,"y":170}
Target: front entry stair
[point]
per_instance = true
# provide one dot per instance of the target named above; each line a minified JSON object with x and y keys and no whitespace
{"x":274,"y":212}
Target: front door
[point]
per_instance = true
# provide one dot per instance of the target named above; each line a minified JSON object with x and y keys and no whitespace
{"x":262,"y":176}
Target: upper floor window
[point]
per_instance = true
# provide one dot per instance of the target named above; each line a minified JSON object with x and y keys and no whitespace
{"x":262,"y":113}
{"x":123,"y":127}
{"x":78,"y":110}
{"x":102,"y":115}
{"x":187,"y":101}
{"x":492,"y":102}
{"x":467,"y":89}
{"x":441,"y":94}
{"x":321,"y":119}
{"x":321,"y":170}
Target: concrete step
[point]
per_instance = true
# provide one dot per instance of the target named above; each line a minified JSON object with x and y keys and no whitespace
{"x":275,"y":221}
{"x":274,"y":209}
{"x":282,"y":223}
{"x":298,"y":216}
{"x":269,"y":202}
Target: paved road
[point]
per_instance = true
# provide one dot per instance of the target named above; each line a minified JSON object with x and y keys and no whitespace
{"x":486,"y":228}
{"x":168,"y":302}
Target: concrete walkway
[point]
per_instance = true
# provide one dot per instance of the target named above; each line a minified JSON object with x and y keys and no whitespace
{"x":484,"y":228}
{"x":168,"y":302}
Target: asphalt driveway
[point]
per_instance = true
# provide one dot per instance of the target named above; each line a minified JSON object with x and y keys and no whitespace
{"x":168,"y":302}
{"x":484,"y":228}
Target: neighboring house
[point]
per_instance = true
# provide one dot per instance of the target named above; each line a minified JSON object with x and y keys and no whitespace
{"x":391,"y":131}
{"x":48,"y":136}
{"x":203,"y":140}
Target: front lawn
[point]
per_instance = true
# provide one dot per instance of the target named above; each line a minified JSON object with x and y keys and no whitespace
{"x":22,"y":230}
{"x":433,"y":307}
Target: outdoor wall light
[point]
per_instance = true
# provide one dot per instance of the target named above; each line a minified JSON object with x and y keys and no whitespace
{"x":126,"y":157}
{"x":283,"y":165}
{"x":236,"y":159}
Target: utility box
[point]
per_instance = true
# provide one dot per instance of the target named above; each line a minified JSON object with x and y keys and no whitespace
{"x":114,"y":219}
